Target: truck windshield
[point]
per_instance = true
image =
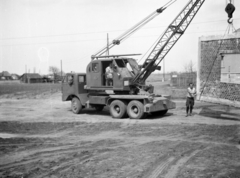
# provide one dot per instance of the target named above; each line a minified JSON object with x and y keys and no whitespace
{"x":121,"y":63}
{"x":134,"y":65}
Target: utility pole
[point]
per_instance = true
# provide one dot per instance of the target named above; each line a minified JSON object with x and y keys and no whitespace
{"x":61,"y":70}
{"x":164,"y":69}
{"x":107,"y":53}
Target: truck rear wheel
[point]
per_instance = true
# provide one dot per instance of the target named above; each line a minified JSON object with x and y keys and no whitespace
{"x":135,"y":110}
{"x":118,"y":109}
{"x":76,"y":105}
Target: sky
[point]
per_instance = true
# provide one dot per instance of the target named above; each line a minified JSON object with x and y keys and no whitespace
{"x":36,"y":34}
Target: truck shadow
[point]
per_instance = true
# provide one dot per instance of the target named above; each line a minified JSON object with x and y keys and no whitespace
{"x":105,"y":112}
{"x":221,"y":112}
{"x":155,"y":116}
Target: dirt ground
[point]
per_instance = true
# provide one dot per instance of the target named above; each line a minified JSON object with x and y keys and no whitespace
{"x":41,"y":137}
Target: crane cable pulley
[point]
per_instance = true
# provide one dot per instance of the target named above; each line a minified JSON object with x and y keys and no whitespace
{"x":128,"y":33}
{"x":144,"y":22}
{"x":230,"y":8}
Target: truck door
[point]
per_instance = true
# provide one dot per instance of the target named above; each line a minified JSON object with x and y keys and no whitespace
{"x":81,"y":84}
{"x":96,"y":74}
{"x":67,"y":86}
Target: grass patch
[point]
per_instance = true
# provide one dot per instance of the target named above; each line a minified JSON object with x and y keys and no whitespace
{"x":14,"y":89}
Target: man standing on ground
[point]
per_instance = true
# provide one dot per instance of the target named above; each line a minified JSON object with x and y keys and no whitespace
{"x":191,"y":93}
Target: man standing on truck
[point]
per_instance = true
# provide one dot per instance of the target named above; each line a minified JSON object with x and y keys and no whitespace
{"x":109,"y":75}
{"x":191,"y":93}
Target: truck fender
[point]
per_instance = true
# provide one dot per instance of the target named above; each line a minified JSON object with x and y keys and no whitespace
{"x":70,"y":97}
{"x":109,"y":101}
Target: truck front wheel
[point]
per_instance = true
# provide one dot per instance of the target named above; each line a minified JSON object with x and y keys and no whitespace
{"x":135,"y":110}
{"x":76,"y":105}
{"x":118,"y":109}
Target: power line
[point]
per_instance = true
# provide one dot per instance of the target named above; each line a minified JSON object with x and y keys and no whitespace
{"x":77,"y":41}
{"x":84,"y":33}
{"x":53,"y":42}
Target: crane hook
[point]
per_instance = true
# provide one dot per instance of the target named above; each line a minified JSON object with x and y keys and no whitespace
{"x":230,"y":20}
{"x":230,"y":8}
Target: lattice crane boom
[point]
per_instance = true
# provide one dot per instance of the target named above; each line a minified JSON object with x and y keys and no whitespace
{"x":168,"y":39}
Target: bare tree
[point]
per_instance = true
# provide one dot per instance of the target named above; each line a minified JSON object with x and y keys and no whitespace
{"x":189,"y":67}
{"x":55,"y":71}
{"x":190,"y":73}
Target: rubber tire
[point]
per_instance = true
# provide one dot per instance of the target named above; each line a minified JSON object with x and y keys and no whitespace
{"x":76,"y":105}
{"x":160,"y":113}
{"x":122,"y":106}
{"x":140,"y":110}
{"x":98,"y":108}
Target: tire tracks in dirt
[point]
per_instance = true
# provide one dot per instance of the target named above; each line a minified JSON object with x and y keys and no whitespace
{"x":161,"y":167}
{"x":172,"y":172}
{"x":24,"y":157}
{"x":58,"y":160}
{"x":44,"y":154}
{"x":28,"y":157}
{"x":66,"y":165}
{"x":170,"y":166}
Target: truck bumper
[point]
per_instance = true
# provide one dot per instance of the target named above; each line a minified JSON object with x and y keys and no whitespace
{"x":159,"y":104}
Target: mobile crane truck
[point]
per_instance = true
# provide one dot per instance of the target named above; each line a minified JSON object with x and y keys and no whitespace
{"x":89,"y":90}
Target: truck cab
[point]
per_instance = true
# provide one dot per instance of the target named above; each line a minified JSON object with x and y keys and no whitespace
{"x":73,"y":84}
{"x":73,"y":89}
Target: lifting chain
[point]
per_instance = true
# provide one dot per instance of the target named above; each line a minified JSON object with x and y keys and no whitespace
{"x":230,"y":8}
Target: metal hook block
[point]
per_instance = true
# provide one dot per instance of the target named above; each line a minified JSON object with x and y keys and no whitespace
{"x":230,"y":20}
{"x":230,"y":8}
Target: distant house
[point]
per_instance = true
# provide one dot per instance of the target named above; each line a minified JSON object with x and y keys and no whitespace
{"x":15,"y":76}
{"x":31,"y":78}
{"x":5,"y":76}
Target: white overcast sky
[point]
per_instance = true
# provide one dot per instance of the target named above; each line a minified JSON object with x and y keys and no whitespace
{"x":40,"y":33}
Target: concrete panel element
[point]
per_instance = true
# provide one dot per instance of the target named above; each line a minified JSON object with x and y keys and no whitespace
{"x":210,"y":85}
{"x":220,"y":37}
